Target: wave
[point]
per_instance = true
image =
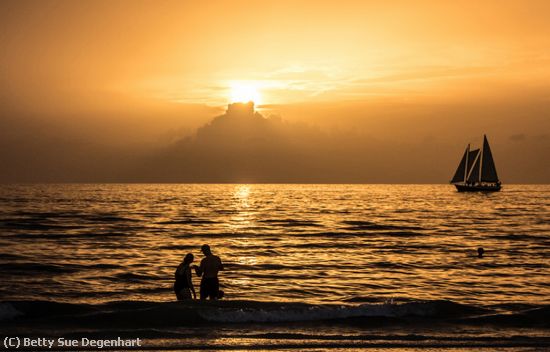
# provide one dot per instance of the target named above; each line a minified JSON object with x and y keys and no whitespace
{"x":36,"y":225}
{"x":283,"y":314}
{"x":537,"y":317}
{"x":39,"y":268}
{"x":144,"y":314}
{"x":33,"y":267}
{"x":520,"y":237}
{"x":357,"y":225}
{"x":66,"y":236}
{"x":188,"y":221}
{"x":290,"y":222}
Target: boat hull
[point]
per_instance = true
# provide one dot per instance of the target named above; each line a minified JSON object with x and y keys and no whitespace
{"x":477,"y":188}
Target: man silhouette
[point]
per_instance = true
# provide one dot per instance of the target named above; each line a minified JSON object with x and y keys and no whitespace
{"x":210,"y":266}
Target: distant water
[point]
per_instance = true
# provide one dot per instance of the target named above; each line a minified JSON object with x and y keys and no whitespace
{"x":346,"y":264}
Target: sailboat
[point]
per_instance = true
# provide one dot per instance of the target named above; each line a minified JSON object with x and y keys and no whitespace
{"x":476,"y":171}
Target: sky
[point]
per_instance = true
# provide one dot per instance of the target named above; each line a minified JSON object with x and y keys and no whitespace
{"x":386,"y":91}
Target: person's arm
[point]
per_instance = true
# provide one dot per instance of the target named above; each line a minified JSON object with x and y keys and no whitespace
{"x":199,"y":270}
{"x":190,"y":283}
{"x":220,"y":266}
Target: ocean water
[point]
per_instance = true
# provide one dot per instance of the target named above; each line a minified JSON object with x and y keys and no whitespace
{"x":337,"y":267}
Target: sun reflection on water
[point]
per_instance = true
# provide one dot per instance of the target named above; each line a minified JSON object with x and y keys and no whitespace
{"x":243,"y":216}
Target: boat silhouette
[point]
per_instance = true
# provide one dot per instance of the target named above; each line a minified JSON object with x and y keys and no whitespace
{"x":476,"y":171}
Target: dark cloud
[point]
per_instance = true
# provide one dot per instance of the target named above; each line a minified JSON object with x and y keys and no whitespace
{"x":396,"y":143}
{"x":244,"y":146}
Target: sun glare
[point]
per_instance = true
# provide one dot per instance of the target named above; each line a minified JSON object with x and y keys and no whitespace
{"x":245,"y":92}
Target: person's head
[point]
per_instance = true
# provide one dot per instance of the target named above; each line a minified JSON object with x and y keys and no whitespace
{"x":480,"y":252}
{"x":206,"y":249}
{"x":188,"y":259}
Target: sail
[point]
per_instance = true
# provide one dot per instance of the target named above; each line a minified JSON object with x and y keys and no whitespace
{"x":471,"y":159}
{"x":460,"y":174}
{"x":473,"y":175}
{"x":488,"y":169}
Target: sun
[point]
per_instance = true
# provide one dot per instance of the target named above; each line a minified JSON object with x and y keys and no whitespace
{"x":243,"y":92}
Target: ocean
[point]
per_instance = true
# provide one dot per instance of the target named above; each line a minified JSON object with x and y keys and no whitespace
{"x":307,"y":267}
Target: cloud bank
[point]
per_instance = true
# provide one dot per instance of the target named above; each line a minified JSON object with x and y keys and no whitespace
{"x":395,"y":143}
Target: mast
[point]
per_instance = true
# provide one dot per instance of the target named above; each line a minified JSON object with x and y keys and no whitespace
{"x":466,"y":168}
{"x":481,"y":159}
{"x":473,"y":174}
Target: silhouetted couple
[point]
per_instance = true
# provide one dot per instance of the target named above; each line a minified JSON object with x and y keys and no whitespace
{"x":210,"y":266}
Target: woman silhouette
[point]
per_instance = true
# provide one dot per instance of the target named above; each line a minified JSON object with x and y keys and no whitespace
{"x":183,"y":286}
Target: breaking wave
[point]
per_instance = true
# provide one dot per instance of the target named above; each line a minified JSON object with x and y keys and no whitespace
{"x":147,"y":314}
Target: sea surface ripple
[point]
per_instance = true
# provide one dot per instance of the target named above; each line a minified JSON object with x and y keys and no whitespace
{"x":318,"y":244}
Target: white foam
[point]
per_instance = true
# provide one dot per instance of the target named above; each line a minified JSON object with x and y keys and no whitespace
{"x":313,"y":313}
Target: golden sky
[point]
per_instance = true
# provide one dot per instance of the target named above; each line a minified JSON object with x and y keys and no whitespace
{"x":170,"y":66}
{"x":291,"y":51}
